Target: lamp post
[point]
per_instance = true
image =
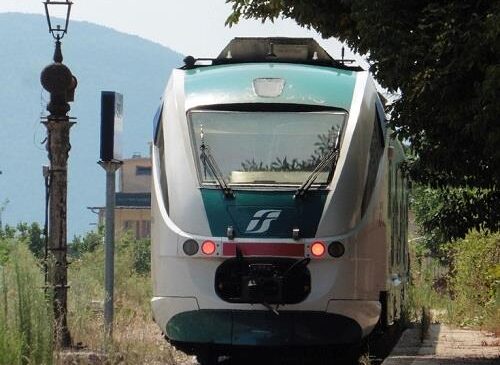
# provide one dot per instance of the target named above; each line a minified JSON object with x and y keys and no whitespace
{"x":58,"y":80}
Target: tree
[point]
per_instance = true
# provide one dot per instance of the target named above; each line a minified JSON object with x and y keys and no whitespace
{"x":447,"y":214}
{"x":31,"y":234}
{"x":88,"y":243}
{"x":36,"y":240}
{"x":443,"y":59}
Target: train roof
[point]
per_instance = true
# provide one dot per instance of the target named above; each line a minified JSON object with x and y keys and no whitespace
{"x":272,"y":49}
{"x":290,"y":84}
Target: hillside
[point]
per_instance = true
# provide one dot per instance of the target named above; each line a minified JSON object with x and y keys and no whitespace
{"x":101,"y":59}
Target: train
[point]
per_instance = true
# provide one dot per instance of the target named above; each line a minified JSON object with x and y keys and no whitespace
{"x":279,"y":201}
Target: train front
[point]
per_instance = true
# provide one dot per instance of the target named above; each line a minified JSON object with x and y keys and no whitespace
{"x":248,"y":160}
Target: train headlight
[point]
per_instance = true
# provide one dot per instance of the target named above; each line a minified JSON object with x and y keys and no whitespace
{"x":268,"y":87}
{"x":190,"y":247}
{"x":318,"y":249}
{"x":336,"y":249}
{"x":208,"y":247}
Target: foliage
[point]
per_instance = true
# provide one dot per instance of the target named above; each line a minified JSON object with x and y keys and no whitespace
{"x":469,"y":294}
{"x":88,"y":243}
{"x":441,"y":56}
{"x":476,"y":278}
{"x":140,"y":251}
{"x":422,"y":293}
{"x":32,"y":234}
{"x":25,"y":315}
{"x":447,"y":214}
{"x":7,"y":232}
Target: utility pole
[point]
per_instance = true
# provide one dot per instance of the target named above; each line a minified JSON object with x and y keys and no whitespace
{"x":58,"y":80}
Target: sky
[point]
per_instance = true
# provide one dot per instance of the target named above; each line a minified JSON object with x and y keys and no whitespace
{"x":190,"y":27}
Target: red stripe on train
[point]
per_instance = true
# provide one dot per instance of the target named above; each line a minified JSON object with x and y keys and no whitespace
{"x":264,"y":249}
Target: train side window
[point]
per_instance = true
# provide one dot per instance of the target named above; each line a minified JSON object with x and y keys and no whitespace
{"x":389,"y":189}
{"x":157,"y":122}
{"x":381,"y":120}
{"x":160,"y":144}
{"x":399,"y":213}
{"x":375,"y":153}
{"x":404,"y":218}
{"x":395,"y":212}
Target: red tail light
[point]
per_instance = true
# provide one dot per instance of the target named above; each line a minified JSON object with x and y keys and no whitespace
{"x":318,"y":249}
{"x":208,"y":247}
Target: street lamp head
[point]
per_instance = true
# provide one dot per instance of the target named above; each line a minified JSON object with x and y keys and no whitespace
{"x":56,"y":78}
{"x":57,"y":12}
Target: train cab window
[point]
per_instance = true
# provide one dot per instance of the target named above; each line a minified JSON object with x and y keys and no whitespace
{"x":253,"y":148}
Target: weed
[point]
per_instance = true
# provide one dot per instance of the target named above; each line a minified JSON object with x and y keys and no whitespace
{"x":25,"y":316}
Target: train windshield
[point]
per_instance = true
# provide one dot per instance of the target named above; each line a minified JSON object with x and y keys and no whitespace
{"x":264,"y":148}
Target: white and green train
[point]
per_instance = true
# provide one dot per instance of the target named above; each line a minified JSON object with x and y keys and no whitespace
{"x":279,"y":208}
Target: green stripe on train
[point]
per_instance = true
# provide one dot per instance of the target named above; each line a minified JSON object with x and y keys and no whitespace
{"x":263,"y":214}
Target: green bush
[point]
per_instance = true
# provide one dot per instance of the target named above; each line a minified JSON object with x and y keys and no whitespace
{"x":88,"y":243}
{"x":475,"y":279}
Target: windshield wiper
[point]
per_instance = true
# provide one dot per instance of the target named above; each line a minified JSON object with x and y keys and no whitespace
{"x":208,"y":160}
{"x":332,"y":155}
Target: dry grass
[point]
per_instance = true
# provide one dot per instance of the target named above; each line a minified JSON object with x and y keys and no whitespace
{"x":136,"y":338}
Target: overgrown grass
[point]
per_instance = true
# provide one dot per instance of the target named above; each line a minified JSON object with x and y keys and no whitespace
{"x":137,"y":340}
{"x":25,"y":316}
{"x":26,"y":319}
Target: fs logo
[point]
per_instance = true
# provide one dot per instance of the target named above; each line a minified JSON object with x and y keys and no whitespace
{"x":261,"y":220}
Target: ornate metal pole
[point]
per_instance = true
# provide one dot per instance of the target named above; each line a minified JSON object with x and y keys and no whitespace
{"x":57,"y":79}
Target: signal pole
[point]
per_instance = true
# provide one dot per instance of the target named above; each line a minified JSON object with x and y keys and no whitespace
{"x":109,"y":265}
{"x":111,"y":128}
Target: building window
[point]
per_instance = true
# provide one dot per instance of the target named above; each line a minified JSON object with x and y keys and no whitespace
{"x":145,"y":229}
{"x":128,"y":226}
{"x":143,"y":170}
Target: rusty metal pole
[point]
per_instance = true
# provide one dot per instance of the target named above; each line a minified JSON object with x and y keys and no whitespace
{"x":57,"y":79}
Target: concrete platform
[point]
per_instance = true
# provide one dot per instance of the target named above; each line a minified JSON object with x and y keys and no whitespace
{"x":445,"y":346}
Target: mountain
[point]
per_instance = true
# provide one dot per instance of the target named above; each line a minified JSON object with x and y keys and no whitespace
{"x":101,"y":59}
